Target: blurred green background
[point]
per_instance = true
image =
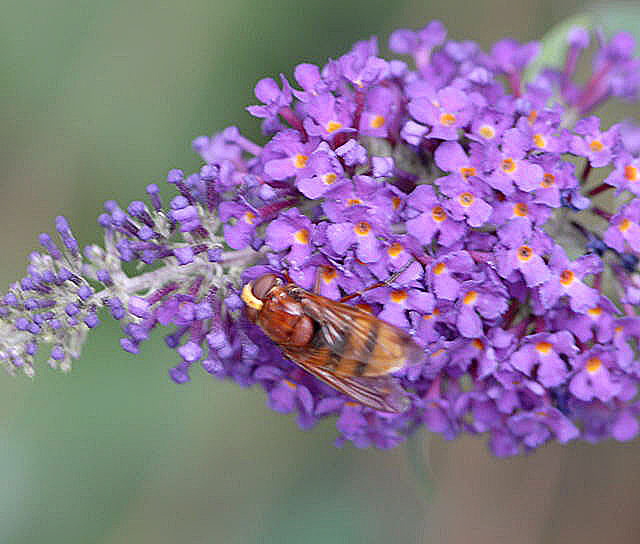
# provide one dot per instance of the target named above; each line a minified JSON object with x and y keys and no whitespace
{"x":96,"y":101}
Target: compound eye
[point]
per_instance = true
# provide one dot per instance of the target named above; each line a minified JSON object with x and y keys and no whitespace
{"x":263,"y":285}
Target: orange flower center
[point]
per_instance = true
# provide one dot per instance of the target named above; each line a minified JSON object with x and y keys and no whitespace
{"x":625,"y":225}
{"x":520,"y":209}
{"x":329,"y":179}
{"x":487,"y":132}
{"x":439,"y":268}
{"x":525,"y":253}
{"x":300,"y":160}
{"x":448,"y":119}
{"x":438,"y":214}
{"x":399,"y":296}
{"x":302,"y":236}
{"x":548,"y":180}
{"x":544,"y":347}
{"x":631,"y":173}
{"x":596,"y":145}
{"x":567,"y":277}
{"x":595,"y":312}
{"x":332,"y":126}
{"x":466,"y":199}
{"x":329,"y":274}
{"x":540,"y":141}
{"x":395,"y":249}
{"x":593,"y":365}
{"x":470,"y":298}
{"x":362,"y":228}
{"x":468,"y":171}
{"x":508,"y":165}
{"x":377,"y":121}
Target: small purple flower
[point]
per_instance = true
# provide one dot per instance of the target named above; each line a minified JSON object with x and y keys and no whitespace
{"x":468,"y":200}
{"x":327,"y":116}
{"x":626,"y":174}
{"x":446,"y":112}
{"x":434,"y":219}
{"x":594,"y":378}
{"x":544,"y":356}
{"x":293,"y":231}
{"x":322,"y":172}
{"x":592,"y":143}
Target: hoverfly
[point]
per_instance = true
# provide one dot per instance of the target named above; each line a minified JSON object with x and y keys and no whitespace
{"x":347,"y":348}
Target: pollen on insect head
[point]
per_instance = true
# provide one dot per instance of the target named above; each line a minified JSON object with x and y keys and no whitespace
{"x":249,"y":298}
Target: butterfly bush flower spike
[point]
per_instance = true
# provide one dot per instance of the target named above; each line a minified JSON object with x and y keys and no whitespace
{"x":500,"y":204}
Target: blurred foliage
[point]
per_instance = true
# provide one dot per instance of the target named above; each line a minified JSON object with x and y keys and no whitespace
{"x":99,"y":99}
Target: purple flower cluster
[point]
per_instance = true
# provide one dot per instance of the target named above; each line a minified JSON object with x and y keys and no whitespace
{"x":485,"y":186}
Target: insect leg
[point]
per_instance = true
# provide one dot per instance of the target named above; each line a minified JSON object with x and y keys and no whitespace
{"x":384,"y":283}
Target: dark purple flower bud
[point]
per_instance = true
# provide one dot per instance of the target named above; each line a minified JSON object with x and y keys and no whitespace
{"x":85,"y":292}
{"x":62,"y":226}
{"x":179,"y":374}
{"x":92,"y":320}
{"x":129,"y":346}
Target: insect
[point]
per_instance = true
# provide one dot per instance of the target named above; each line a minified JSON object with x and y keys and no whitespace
{"x":349,"y":349}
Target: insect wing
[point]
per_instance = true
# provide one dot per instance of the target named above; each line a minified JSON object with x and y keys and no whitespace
{"x":361,"y":343}
{"x":380,"y":393}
